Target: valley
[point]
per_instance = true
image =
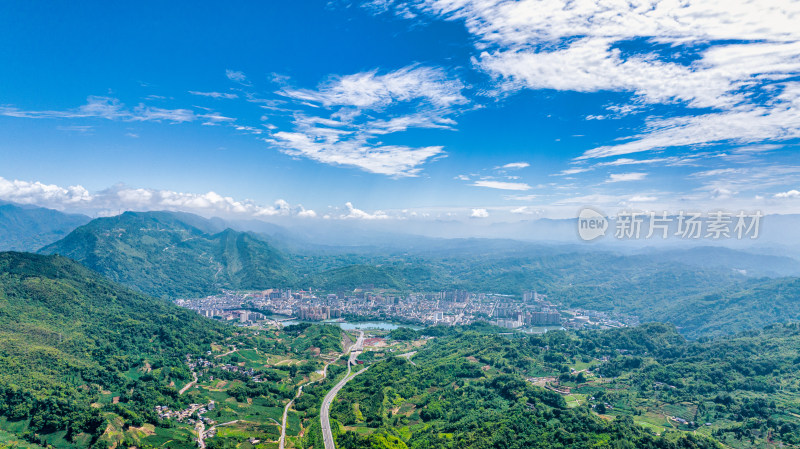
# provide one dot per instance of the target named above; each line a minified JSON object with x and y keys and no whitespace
{"x":88,"y":361}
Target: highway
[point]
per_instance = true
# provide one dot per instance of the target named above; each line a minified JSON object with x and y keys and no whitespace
{"x":324,"y":415}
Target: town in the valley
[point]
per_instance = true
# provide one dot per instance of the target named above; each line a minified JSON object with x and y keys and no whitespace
{"x":531,"y":311}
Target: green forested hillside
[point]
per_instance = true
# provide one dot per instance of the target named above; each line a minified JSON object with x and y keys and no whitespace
{"x":468,"y":389}
{"x":28,"y":228}
{"x":169,"y":255}
{"x":68,"y":337}
{"x":747,"y":307}
{"x":474,"y":387}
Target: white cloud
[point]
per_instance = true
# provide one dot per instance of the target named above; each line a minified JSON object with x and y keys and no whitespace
{"x":628,"y":161}
{"x":334,"y":128}
{"x":735,"y":59}
{"x":370,"y":90}
{"x":722,"y":194}
{"x":227,"y":96}
{"x":790,"y":194}
{"x":620,"y":177}
{"x":511,"y":23}
{"x":49,"y":195}
{"x":514,"y":166}
{"x":237,"y":76}
{"x":214,"y":119}
{"x":717,"y":172}
{"x":501,"y":185}
{"x":146,"y":113}
{"x":776,"y":121}
{"x":392,"y":160}
{"x":358,"y":214}
{"x":574,"y":171}
{"x":83,"y":129}
{"x":77,"y":198}
{"x":525,"y":210}
{"x":307,"y":213}
{"x":107,"y":108}
{"x":479,"y":213}
{"x":642,"y":199}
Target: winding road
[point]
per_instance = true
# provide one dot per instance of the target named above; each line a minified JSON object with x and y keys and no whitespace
{"x":357,"y":346}
{"x":324,"y":415}
{"x":189,"y":385}
{"x":282,"y":441}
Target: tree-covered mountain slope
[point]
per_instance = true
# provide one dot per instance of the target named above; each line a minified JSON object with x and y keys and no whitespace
{"x":633,"y":387}
{"x":69,"y":337}
{"x":750,"y":306}
{"x":472,"y":388}
{"x":174,"y":255}
{"x":28,"y":228}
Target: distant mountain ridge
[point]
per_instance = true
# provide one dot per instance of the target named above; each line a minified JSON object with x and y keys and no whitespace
{"x":174,"y":255}
{"x":28,"y":228}
{"x":702,"y":290}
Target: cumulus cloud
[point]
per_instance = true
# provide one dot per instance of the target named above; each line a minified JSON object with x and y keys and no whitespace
{"x":49,"y":195}
{"x":120,"y":197}
{"x":358,"y":214}
{"x":525,"y":210}
{"x":790,"y":194}
{"x":502,"y":185}
{"x":479,"y":213}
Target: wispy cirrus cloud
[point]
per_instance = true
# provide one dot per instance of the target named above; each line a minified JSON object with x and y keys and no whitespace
{"x":622,"y":177}
{"x":375,"y":91}
{"x":501,"y":185}
{"x":513,"y":166}
{"x":237,"y":77}
{"x":107,"y":108}
{"x":331,"y":125}
{"x":217,"y":95}
{"x":747,"y":124}
{"x":391,"y":160}
{"x":728,"y":70}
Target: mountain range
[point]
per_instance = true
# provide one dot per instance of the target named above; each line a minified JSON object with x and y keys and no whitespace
{"x":174,"y":255}
{"x":28,"y":228}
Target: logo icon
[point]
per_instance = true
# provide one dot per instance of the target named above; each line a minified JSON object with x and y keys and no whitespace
{"x":591,"y":224}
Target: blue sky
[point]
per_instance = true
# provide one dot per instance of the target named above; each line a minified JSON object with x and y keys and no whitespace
{"x":435,"y":109}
